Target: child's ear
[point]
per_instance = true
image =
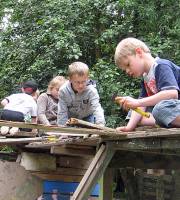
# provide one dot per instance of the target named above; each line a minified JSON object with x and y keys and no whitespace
{"x":138,"y":51}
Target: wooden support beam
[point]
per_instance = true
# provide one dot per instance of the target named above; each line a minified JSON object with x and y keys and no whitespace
{"x":147,"y":144}
{"x":72,"y":151}
{"x":144,"y":160}
{"x":94,"y":172}
{"x":106,"y":185}
{"x":57,"y":177}
{"x":73,"y":162}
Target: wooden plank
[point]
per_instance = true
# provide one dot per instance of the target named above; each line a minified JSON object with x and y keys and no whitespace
{"x":144,"y":160}
{"x":20,"y":140}
{"x":73,"y":152}
{"x":57,"y":177}
{"x":92,"y":141}
{"x":106,"y":185}
{"x":73,"y":162}
{"x":58,"y":128}
{"x":147,"y":144}
{"x":70,"y":171}
{"x":38,"y":162}
{"x":75,"y":121}
{"x":94,"y":172}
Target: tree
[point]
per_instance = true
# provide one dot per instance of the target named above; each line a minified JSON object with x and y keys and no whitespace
{"x":43,"y":37}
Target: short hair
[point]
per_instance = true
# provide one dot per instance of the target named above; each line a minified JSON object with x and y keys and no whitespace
{"x":30,"y":86}
{"x":128,"y":47}
{"x":57,"y":81}
{"x":78,"y":68}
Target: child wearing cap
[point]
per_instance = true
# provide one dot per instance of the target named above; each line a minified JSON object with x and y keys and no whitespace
{"x":20,"y":107}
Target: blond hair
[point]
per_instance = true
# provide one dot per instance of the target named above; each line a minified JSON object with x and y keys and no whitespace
{"x":78,"y":68}
{"x":57,"y":81}
{"x":127,"y":47}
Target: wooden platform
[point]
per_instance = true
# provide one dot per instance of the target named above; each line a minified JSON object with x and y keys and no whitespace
{"x":82,"y":158}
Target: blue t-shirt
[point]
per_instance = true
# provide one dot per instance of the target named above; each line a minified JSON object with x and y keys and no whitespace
{"x":164,"y":75}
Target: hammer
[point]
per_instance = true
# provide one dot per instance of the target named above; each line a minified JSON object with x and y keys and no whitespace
{"x":117,"y":99}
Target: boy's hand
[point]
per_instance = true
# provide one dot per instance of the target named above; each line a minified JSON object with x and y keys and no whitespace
{"x":128,"y":102}
{"x":123,"y":129}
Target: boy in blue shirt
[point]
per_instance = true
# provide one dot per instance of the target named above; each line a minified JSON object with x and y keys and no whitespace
{"x":160,"y":85}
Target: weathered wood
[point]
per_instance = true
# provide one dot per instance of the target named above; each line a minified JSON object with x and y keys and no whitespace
{"x":73,"y":162}
{"x":38,"y":162}
{"x":73,"y":152}
{"x":147,"y":144}
{"x":55,"y":177}
{"x":70,"y":171}
{"x":75,"y":121}
{"x":18,"y":184}
{"x":92,"y":141}
{"x":94,"y":172}
{"x":58,"y":128}
{"x":106,"y":185}
{"x":154,"y":187}
{"x":129,"y":180}
{"x":20,"y":140}
{"x":144,"y":160}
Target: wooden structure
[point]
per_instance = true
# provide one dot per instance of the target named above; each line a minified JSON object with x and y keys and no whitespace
{"x":87,"y":159}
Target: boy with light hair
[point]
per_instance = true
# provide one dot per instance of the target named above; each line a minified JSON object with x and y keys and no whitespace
{"x":160,"y":85}
{"x":78,"y":98}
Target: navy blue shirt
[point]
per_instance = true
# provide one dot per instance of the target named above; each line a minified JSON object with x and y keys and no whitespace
{"x":164,"y":75}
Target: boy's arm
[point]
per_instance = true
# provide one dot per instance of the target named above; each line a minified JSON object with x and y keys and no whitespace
{"x":129,"y":102}
{"x":62,"y":115}
{"x":98,"y":111}
{"x":133,"y":122}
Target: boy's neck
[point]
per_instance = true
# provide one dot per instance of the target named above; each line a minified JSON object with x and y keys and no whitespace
{"x":149,"y":62}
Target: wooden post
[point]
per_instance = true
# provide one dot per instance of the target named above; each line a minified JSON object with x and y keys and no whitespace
{"x":130,"y":183}
{"x":106,"y":185}
{"x":94,"y":172}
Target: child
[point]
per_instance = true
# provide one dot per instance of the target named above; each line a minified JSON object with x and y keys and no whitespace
{"x":160,"y":85}
{"x":47,"y":102}
{"x":79,"y":98}
{"x":20,"y":107}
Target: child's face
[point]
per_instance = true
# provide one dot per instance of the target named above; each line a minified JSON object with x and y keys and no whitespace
{"x":133,"y":65}
{"x":55,"y":92}
{"x":79,"y":82}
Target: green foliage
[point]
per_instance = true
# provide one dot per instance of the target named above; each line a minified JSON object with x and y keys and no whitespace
{"x":43,"y":37}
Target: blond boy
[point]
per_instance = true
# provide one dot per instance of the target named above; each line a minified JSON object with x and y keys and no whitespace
{"x":79,"y":98}
{"x":160,"y":85}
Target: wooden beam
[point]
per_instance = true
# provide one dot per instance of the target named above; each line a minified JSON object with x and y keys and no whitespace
{"x":75,"y":121}
{"x":73,"y":162}
{"x":58,"y":128}
{"x":57,"y":177}
{"x":106,"y":185}
{"x":73,"y":152}
{"x":144,"y":160}
{"x":94,"y":172}
{"x":20,"y":140}
{"x":147,"y":144}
